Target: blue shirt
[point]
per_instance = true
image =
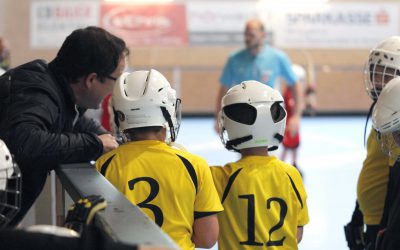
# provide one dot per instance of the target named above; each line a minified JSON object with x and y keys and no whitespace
{"x":265,"y":67}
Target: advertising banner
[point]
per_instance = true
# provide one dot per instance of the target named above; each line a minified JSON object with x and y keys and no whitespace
{"x":337,"y":25}
{"x":53,"y":21}
{"x":146,"y":25}
{"x":295,"y":25}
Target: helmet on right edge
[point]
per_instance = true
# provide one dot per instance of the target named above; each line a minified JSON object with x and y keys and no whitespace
{"x":252,"y":115}
{"x":382,"y":66}
{"x":10,"y":186}
{"x":386,"y":118}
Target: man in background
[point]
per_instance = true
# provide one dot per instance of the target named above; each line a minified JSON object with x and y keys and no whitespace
{"x":263,"y":63}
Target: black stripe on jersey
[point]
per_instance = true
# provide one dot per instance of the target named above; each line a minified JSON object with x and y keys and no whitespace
{"x":198,"y":215}
{"x":104,"y":167}
{"x":296,"y":191}
{"x":229,"y":185}
{"x":190,"y":169}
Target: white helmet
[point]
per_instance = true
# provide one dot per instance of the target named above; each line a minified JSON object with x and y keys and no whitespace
{"x":144,"y":99}
{"x":10,"y":186}
{"x":252,"y":116}
{"x":386,"y":118}
{"x":382,"y":66}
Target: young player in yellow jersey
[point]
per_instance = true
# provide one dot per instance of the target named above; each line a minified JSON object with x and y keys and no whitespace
{"x":385,"y":119}
{"x":263,"y":197}
{"x":382,"y":66}
{"x":173,"y":187}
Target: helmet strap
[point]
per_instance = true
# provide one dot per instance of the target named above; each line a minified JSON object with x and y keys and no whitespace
{"x":368,"y":116}
{"x":229,"y":144}
{"x":167,"y":117}
{"x":116,"y":121}
{"x":279,"y":137}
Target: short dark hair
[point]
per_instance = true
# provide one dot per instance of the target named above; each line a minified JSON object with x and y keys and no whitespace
{"x":88,"y":50}
{"x":132,"y":133}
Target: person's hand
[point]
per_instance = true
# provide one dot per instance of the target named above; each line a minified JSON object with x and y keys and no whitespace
{"x":311,"y":103}
{"x":109,"y":142}
{"x":294,"y":125}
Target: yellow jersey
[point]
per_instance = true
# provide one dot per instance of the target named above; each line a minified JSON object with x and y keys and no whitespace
{"x":264,"y":202}
{"x":373,"y":180}
{"x":171,"y":186}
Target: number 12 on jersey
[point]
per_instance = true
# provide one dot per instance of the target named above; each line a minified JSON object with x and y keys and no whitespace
{"x":251,"y":221}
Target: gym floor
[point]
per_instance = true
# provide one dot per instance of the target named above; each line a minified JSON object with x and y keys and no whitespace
{"x":330,"y":156}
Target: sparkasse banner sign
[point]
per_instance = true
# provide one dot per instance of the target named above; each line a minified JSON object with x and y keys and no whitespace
{"x":339,"y":25}
{"x":295,"y":25}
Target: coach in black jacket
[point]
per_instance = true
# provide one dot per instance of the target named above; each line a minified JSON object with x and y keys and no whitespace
{"x":42,"y":107}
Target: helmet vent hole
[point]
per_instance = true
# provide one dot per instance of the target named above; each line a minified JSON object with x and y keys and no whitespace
{"x":385,"y":56}
{"x":160,"y":89}
{"x":241,"y":112}
{"x":7,"y":157}
{"x":278,"y":113}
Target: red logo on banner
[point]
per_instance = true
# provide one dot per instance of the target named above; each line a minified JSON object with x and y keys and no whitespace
{"x":382,"y":17}
{"x":146,"y":24}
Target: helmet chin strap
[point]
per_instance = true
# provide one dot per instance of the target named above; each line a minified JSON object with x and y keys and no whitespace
{"x":279,"y":137}
{"x":229,"y":144}
{"x":168,"y":118}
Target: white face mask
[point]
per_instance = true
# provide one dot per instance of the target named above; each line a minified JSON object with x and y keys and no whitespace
{"x":6,"y":165}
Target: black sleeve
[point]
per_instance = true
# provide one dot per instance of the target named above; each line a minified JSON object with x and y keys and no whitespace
{"x":92,"y":239}
{"x":30,"y":117}
{"x":86,"y":124}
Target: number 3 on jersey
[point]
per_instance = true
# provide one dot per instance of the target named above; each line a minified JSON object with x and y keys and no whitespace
{"x":154,"y":189}
{"x":251,"y":221}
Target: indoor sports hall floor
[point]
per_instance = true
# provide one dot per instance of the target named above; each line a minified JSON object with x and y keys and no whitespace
{"x":330,"y":156}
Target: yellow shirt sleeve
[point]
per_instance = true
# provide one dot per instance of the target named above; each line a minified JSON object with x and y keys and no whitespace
{"x":207,"y":199}
{"x":219,"y":177}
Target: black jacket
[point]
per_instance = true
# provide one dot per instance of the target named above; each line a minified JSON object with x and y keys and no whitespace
{"x":41,"y":125}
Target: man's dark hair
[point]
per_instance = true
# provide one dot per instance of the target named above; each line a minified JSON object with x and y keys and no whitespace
{"x":90,"y":50}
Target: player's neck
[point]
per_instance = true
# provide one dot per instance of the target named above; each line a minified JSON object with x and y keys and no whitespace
{"x":257,"y":151}
{"x":147,"y":136}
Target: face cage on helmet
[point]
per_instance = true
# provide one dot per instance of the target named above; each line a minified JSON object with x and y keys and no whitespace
{"x":173,"y":128}
{"x":390,"y":143}
{"x":223,"y":134}
{"x":10,"y":197}
{"x":376,"y":76}
{"x":178,"y":116}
